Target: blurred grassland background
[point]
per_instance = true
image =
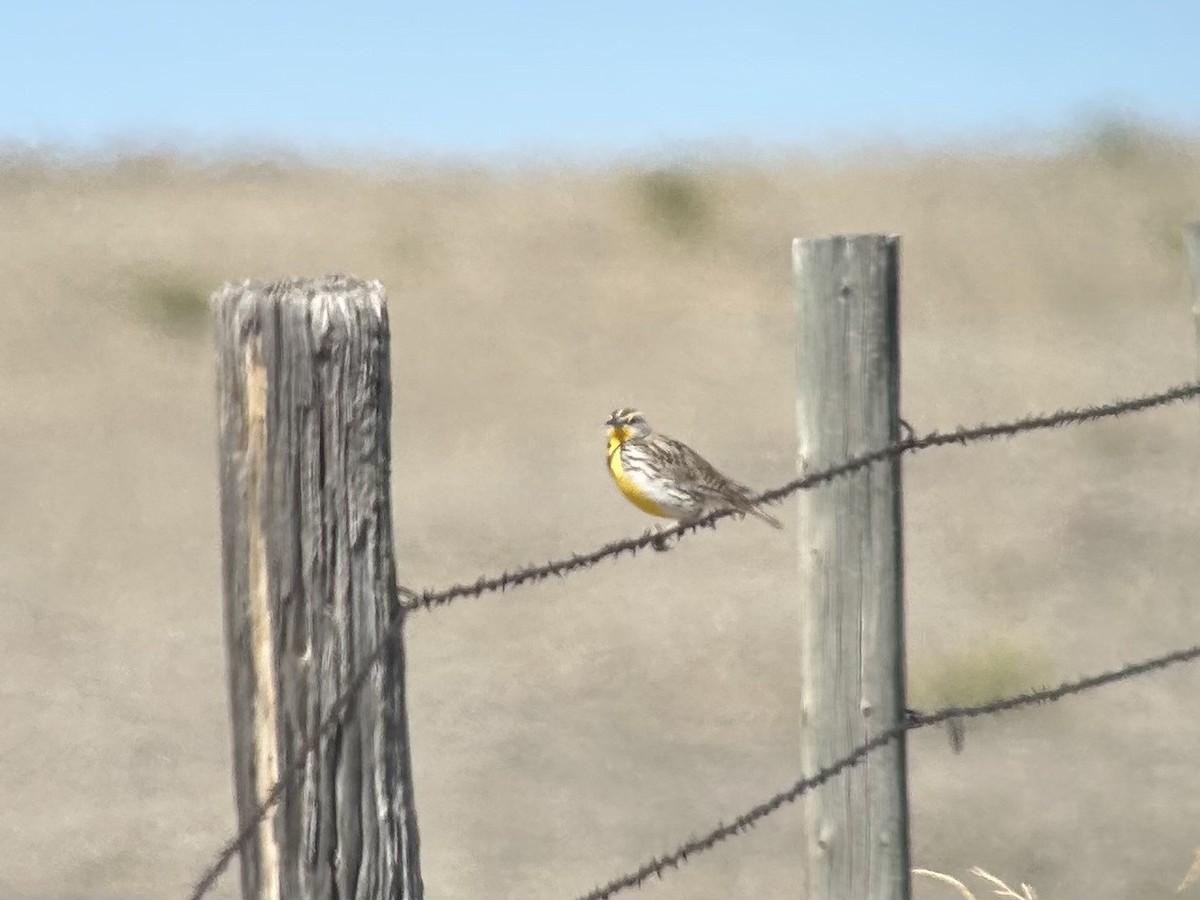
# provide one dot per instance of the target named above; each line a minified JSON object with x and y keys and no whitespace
{"x":568,"y":731}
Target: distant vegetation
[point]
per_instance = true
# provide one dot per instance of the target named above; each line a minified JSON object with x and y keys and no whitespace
{"x":677,"y":202}
{"x":1121,"y":140}
{"x":979,"y":674}
{"x":174,"y":302}
{"x":1031,"y":280}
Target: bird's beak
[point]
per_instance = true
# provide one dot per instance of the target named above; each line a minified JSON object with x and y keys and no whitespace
{"x":612,"y":423}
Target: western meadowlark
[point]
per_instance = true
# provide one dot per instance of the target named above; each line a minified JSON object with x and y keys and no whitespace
{"x":665,"y":477}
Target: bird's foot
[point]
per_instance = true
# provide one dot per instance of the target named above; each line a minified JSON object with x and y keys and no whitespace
{"x":659,"y":542}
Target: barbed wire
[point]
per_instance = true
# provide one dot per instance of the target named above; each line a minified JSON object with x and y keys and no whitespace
{"x":428,"y":600}
{"x":960,"y":436}
{"x":963,"y":436}
{"x":747,"y":820}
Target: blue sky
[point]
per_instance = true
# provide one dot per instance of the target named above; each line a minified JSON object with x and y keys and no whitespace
{"x":479,"y":79}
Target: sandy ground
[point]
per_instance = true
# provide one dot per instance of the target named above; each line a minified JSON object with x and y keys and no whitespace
{"x":566,"y":732}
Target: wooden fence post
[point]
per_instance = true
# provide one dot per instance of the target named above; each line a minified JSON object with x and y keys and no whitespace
{"x":1191,"y":243}
{"x":304,"y":402}
{"x":1191,"y":240}
{"x":851,"y":565}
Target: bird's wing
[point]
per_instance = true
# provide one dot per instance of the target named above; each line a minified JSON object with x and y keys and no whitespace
{"x":696,"y":475}
{"x":683,"y":464}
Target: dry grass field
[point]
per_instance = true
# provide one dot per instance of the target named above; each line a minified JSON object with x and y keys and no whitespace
{"x":565,"y":732}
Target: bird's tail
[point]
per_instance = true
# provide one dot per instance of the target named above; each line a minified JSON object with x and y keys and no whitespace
{"x":766,"y":517}
{"x":743,"y":503}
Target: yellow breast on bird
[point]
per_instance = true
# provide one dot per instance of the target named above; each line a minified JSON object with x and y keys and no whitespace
{"x":628,"y":485}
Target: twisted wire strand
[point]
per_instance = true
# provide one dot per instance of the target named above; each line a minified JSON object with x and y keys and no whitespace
{"x":658,"y":866}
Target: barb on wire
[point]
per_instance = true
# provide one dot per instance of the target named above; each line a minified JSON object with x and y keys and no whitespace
{"x":658,"y":866}
{"x":657,"y":538}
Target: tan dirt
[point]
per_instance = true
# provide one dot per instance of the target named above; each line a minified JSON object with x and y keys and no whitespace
{"x":567,"y":732}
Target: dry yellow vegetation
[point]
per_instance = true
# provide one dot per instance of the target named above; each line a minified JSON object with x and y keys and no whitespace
{"x":568,"y":731}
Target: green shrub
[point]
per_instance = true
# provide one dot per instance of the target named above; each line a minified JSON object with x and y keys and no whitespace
{"x":173,"y":302}
{"x":978,"y":674}
{"x":675,"y":201}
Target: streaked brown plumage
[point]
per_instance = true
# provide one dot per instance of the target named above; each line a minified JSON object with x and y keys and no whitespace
{"x":666,"y":477}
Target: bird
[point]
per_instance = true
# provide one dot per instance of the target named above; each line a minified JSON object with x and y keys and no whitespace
{"x":667,"y":478}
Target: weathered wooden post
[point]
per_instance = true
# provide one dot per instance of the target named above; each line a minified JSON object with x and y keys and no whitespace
{"x":1191,"y":240}
{"x":851,"y":565}
{"x":304,"y":401}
